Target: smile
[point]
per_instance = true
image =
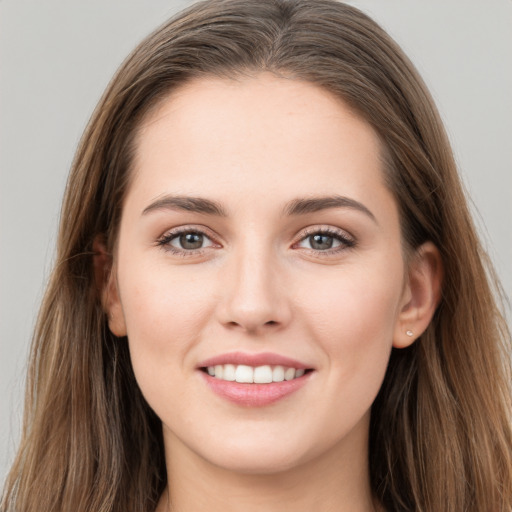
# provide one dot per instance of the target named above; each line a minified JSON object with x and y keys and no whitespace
{"x":254,"y":380}
{"x":265,"y":374}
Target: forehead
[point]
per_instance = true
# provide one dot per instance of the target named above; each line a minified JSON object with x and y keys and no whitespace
{"x":264,"y":135}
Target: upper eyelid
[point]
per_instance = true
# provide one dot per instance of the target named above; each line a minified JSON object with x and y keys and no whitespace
{"x":330,"y":230}
{"x":189,"y":228}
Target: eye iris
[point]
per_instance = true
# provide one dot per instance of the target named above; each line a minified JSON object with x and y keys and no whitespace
{"x":191,"y":240}
{"x":321,"y":242}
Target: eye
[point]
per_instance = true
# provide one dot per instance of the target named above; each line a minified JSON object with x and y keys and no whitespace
{"x":326,"y":240}
{"x":319,"y":242}
{"x":185,"y":241}
{"x":189,"y":241}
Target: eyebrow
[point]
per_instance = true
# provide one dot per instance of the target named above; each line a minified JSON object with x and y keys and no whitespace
{"x":306,"y":205}
{"x":187,"y":203}
{"x":300,"y":206}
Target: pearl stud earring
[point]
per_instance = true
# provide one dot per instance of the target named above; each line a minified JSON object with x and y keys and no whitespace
{"x":409,"y":333}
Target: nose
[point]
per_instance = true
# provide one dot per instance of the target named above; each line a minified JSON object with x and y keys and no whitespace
{"x":254,"y":298}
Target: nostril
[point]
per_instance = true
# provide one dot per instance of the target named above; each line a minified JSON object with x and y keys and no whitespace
{"x":250,"y":326}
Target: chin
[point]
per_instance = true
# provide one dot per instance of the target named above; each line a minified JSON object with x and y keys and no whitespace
{"x":256,"y":462}
{"x":261,"y":455}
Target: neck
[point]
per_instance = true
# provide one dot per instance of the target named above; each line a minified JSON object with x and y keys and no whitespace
{"x":335,"y":481}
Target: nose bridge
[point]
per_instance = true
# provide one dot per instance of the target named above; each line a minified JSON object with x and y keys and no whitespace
{"x":254,"y":296}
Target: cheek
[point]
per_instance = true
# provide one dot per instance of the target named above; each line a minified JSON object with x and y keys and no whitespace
{"x":164,"y":316}
{"x":354,"y":325}
{"x":354,"y":302}
{"x":353,"y":318}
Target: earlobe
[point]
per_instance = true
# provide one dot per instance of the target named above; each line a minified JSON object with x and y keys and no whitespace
{"x":421,"y":295}
{"x":106,"y":285}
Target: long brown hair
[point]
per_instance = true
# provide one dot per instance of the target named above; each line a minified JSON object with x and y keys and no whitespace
{"x":440,"y":435}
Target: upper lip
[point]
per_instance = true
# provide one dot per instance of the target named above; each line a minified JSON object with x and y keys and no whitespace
{"x":260,"y":359}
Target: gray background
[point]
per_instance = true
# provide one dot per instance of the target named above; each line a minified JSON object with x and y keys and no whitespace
{"x":56,"y":57}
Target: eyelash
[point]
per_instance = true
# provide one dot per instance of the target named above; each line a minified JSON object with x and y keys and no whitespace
{"x":165,"y":241}
{"x":346,"y":241}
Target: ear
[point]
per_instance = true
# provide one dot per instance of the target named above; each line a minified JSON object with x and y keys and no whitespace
{"x":106,"y":284}
{"x":421,"y":295}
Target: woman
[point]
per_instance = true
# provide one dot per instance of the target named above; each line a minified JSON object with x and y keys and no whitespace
{"x":268,"y":290}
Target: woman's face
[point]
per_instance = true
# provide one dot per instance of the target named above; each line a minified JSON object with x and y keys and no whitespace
{"x":258,"y":233}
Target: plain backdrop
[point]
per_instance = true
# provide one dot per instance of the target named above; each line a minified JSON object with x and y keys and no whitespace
{"x":57,"y":56}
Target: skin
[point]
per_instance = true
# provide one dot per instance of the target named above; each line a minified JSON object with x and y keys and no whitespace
{"x":258,"y":285}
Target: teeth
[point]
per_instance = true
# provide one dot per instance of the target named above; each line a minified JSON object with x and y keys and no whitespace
{"x":258,"y":375}
{"x":278,"y":374}
{"x":262,"y":375}
{"x":242,"y":373}
{"x":229,"y":372}
{"x":289,"y":373}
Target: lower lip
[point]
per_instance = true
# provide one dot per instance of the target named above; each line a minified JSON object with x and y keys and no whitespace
{"x":254,"y":395}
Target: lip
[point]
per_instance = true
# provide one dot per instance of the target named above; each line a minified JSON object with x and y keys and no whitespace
{"x":254,"y":395}
{"x":260,"y":359}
